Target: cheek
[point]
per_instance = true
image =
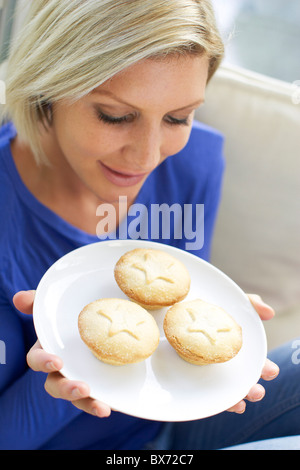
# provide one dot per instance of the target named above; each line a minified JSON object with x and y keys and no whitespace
{"x":176,"y":141}
{"x":79,"y":141}
{"x":78,"y":134}
{"x":85,"y":146}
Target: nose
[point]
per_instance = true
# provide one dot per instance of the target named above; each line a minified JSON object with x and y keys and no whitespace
{"x":144,"y":150}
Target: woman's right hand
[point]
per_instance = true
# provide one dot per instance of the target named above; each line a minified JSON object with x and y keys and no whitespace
{"x":56,"y":384}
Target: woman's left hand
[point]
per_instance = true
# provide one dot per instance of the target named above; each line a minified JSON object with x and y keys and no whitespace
{"x":270,"y":370}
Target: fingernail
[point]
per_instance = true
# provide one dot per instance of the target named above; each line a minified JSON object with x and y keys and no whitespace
{"x":241,"y":411}
{"x":96,"y":413}
{"x":240,"y":408}
{"x":275,"y":373}
{"x":104,"y":413}
{"x":259,"y":397}
{"x":50,"y":366}
{"x":76,"y":393}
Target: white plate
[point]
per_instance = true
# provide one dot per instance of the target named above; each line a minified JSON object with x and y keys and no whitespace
{"x":164,"y":387}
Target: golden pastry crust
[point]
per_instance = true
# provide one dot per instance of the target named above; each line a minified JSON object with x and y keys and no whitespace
{"x":118,"y":331}
{"x":152,"y":278}
{"x":202,"y":333}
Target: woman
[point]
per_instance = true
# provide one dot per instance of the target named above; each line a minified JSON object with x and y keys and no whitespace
{"x":100,"y":105}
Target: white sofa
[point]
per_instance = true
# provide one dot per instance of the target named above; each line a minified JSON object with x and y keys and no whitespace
{"x":257,"y":238}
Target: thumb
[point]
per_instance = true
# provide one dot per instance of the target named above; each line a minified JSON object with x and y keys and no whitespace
{"x":23,"y":301}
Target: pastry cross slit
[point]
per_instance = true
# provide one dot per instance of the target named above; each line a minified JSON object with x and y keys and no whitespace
{"x":200,"y":325}
{"x":121,"y":325}
{"x":149,"y":267}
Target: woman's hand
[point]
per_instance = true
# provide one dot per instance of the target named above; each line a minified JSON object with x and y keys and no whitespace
{"x":56,"y":385}
{"x":270,"y":370}
{"x":78,"y":392}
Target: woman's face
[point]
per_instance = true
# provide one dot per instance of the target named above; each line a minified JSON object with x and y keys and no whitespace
{"x":113,"y":138}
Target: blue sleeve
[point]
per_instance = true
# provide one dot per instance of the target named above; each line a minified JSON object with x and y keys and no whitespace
{"x":211,"y":207}
{"x":26,"y":421}
{"x":203,"y":168}
{"x":207,"y":146}
{"x":12,"y":359}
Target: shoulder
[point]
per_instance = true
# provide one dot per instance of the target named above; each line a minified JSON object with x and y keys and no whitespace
{"x":210,"y":139}
{"x":7,"y":132}
{"x":7,"y":191}
{"x":200,"y":159}
{"x":204,"y":149}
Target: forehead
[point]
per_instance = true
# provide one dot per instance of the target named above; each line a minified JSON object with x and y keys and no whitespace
{"x":176,"y":81}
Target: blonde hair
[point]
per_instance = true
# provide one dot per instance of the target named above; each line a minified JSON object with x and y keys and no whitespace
{"x":69,"y":47}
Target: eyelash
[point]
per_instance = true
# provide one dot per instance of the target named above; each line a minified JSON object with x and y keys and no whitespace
{"x":114,"y":120}
{"x":129,"y":118}
{"x":178,"y":122}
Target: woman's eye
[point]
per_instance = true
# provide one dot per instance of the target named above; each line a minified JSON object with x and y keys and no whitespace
{"x":128,"y":118}
{"x":113,"y":119}
{"x":177,"y":122}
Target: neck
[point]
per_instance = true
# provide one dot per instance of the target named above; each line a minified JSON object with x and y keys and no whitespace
{"x":58,"y":188}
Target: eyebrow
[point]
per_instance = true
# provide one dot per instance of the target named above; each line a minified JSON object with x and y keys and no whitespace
{"x":116,"y":98}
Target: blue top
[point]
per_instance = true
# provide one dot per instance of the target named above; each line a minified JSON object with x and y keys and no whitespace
{"x":32,"y":238}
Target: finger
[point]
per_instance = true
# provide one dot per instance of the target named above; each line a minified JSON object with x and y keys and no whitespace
{"x":23,"y":301}
{"x":256,"y":393}
{"x":264,"y":310}
{"x":41,"y":361}
{"x":77,"y":393}
{"x":59,"y":386}
{"x":270,"y":370}
{"x":93,"y":407}
{"x":239,"y":408}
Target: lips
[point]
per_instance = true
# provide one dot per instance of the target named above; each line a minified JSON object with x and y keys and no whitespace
{"x":120,"y":178}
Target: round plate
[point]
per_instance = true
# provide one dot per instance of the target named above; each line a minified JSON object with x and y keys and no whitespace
{"x":164,"y":387}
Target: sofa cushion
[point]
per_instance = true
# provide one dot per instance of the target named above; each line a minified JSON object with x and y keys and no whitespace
{"x":257,"y":237}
